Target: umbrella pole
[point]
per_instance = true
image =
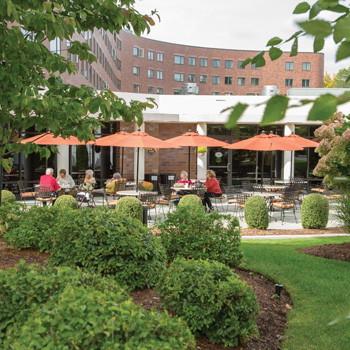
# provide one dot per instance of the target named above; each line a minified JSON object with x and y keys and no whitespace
{"x":262,"y":170}
{"x":189,"y":162}
{"x":291,"y":165}
{"x":122,"y":170}
{"x":271,"y":167}
{"x":256,"y":166}
{"x":137,"y":169}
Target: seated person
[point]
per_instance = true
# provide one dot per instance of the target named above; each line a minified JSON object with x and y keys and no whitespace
{"x":213,"y":190}
{"x":87,"y":187}
{"x":185,"y":181}
{"x":111,"y":184}
{"x":116,"y":176}
{"x":49,"y":181}
{"x":63,"y":180}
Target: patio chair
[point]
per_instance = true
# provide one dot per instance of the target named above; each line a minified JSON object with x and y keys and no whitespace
{"x":167,"y":197}
{"x":200,"y":191}
{"x":288,"y":203}
{"x":109,"y":203}
{"x":247,"y":186}
{"x":44,"y":195}
{"x":241,"y":199}
{"x":216,"y":201}
{"x":25,"y":192}
{"x":150,"y":199}
{"x":231,"y":196}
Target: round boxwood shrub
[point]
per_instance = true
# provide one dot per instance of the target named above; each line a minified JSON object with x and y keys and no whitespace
{"x":101,"y":240}
{"x":130,"y":206}
{"x":69,"y":309}
{"x":211,"y":299}
{"x":256,"y":214}
{"x":314,"y":211}
{"x":7,"y":197}
{"x":191,"y":200}
{"x":192,"y":234}
{"x":66,"y":201}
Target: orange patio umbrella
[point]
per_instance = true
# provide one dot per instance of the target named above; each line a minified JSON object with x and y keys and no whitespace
{"x":193,"y":139}
{"x":139,"y":140}
{"x":49,"y":139}
{"x":300,"y":141}
{"x":111,"y":140}
{"x":264,"y":142}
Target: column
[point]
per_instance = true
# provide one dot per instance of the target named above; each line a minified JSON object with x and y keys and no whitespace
{"x":62,"y":158}
{"x":288,"y":163}
{"x":202,"y":161}
{"x":105,"y":156}
{"x":142,"y":157}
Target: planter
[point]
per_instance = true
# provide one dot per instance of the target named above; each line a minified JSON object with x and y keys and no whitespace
{"x":150,"y":152}
{"x":201,"y":154}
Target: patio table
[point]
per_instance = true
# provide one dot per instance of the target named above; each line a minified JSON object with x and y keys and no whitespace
{"x":274,"y":187}
{"x":133,"y":193}
{"x":263,"y":194}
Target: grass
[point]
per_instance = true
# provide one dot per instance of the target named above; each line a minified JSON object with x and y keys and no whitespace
{"x":320,"y":290}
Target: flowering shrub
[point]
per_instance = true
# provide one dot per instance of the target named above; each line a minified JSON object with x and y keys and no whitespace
{"x":334,"y":149}
{"x":147,"y":186}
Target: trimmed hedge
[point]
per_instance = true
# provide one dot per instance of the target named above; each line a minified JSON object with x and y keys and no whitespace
{"x":314,"y":211}
{"x":66,"y":201}
{"x":66,"y":309}
{"x":103,"y":241}
{"x":7,"y":197}
{"x":192,"y":234}
{"x":256,"y":213}
{"x":130,"y":206}
{"x":191,"y":200}
{"x":9,"y":215}
{"x":211,"y":299}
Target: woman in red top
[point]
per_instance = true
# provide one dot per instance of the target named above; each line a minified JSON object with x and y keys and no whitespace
{"x":213,"y":190}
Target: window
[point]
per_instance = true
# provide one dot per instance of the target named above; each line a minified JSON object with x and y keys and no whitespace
{"x":178,"y":76}
{"x":203,"y":79}
{"x":150,"y":90}
{"x":151,"y":55}
{"x":160,"y":56}
{"x":159,"y":74}
{"x":228,"y":64}
{"x":216,"y":80}
{"x":240,"y":65}
{"x":228,"y":80}
{"x":137,"y":88}
{"x":191,"y":61}
{"x":177,"y":92}
{"x":216,"y":63}
{"x":254,"y":82}
{"x":306,"y":66}
{"x":159,"y":91}
{"x":289,"y":66}
{"x":119,"y":84}
{"x":228,"y":93}
{"x":203,"y":62}
{"x":191,"y":78}
{"x":289,"y":82}
{"x":55,"y":45}
{"x":241,"y":81}
{"x":150,"y":73}
{"x":179,"y":59}
{"x":305,"y":83}
{"x":215,"y":93}
{"x":119,"y":64}
{"x":119,"y":44}
{"x":254,"y":66}
{"x":137,"y":52}
{"x":136,"y":70}
{"x":69,"y":44}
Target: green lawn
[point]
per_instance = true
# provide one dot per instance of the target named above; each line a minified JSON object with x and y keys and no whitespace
{"x":320,"y":289}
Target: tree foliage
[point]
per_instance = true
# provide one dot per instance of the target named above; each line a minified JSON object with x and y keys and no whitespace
{"x":329,"y":80}
{"x":27,"y":66}
{"x":320,"y":29}
{"x":340,"y":80}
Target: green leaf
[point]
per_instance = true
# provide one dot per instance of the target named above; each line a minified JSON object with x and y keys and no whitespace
{"x":294,"y":35}
{"x":246,"y":62}
{"x":294,"y":50}
{"x":301,"y":8}
{"x":343,"y":51}
{"x":341,"y":29}
{"x":236,"y":113}
{"x":324,"y":107}
{"x":94,"y":105}
{"x":259,"y":59}
{"x":274,"y":41}
{"x":315,"y":10}
{"x":275,"y":53}
{"x":317,"y":27}
{"x":275,"y":109}
{"x":318,"y":44}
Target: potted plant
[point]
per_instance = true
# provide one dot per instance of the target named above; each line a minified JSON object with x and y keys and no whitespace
{"x":202,"y":151}
{"x":150,"y":150}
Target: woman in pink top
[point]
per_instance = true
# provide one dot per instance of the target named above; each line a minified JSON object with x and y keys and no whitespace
{"x":213,"y":190}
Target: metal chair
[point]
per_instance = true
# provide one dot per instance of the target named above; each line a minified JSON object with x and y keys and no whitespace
{"x":109,"y":203}
{"x":150,"y":199}
{"x":288,"y":203}
{"x":44,"y":195}
{"x":247,"y":186}
{"x":241,"y":199}
{"x":167,"y":197}
{"x":231,"y":196}
{"x":25,"y":192}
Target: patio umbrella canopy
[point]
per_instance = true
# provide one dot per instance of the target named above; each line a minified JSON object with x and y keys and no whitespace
{"x":300,"y":141}
{"x":111,"y":140}
{"x":193,"y":139}
{"x":264,"y":142}
{"x":139,"y":139}
{"x":49,"y":139}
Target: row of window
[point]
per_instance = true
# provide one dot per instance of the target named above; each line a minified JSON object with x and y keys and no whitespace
{"x":305,"y":66}
{"x":304,"y":83}
{"x":137,"y":52}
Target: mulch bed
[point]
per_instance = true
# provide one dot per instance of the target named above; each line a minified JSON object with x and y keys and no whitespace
{"x":271,"y":322}
{"x":256,"y":232}
{"x":330,"y":251}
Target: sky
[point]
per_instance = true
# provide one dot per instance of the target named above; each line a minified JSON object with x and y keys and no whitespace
{"x":232,"y":24}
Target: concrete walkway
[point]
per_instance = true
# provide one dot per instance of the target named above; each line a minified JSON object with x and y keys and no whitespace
{"x":293,"y":236}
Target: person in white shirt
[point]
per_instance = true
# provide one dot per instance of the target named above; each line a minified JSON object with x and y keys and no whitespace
{"x":65,"y":180}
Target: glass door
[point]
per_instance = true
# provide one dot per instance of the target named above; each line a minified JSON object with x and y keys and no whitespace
{"x":220,"y":162}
